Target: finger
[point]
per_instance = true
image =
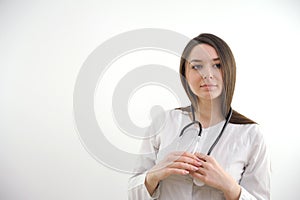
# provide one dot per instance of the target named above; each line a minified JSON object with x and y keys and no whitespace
{"x":186,"y":154}
{"x":207,"y":166}
{"x":186,"y":160}
{"x":174,"y":167}
{"x":197,"y":175}
{"x":185,"y":166}
{"x":177,"y":171}
{"x":202,"y":171}
{"x":202,"y":156}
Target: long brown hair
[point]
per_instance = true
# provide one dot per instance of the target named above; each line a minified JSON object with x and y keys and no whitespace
{"x":228,"y":71}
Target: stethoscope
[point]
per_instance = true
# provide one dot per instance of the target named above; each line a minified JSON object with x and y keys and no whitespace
{"x":194,"y":122}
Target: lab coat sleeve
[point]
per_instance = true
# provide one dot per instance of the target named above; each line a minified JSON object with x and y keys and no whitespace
{"x":255,"y":182}
{"x":136,"y":186}
{"x":137,"y":189}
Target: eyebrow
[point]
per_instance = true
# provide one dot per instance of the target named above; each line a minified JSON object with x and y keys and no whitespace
{"x":196,"y":60}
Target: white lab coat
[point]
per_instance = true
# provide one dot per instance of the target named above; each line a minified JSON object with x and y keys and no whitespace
{"x":241,"y":152}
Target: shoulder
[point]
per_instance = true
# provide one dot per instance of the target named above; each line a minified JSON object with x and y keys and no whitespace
{"x":249,"y":128}
{"x":175,"y":116}
{"x":173,"y":113}
{"x":165,"y":125}
{"x":238,"y":118}
{"x":246,"y":126}
{"x":249,"y":132}
{"x":162,"y":117}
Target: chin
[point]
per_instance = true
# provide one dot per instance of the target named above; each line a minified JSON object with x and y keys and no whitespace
{"x":208,"y":96}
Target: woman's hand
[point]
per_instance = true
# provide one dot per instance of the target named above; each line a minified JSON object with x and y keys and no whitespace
{"x":181,"y":163}
{"x":212,"y":174}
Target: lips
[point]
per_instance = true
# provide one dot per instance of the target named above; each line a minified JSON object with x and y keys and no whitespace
{"x":208,"y":85}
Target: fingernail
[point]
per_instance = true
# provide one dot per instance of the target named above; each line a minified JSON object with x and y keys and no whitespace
{"x":195,"y":168}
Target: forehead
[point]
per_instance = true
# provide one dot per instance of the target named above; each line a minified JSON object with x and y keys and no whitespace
{"x":203,"y":52}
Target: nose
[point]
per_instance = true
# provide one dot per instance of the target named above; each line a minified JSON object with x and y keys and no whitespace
{"x":206,"y":73}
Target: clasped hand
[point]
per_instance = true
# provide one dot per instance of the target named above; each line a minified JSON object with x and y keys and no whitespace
{"x":199,"y":166}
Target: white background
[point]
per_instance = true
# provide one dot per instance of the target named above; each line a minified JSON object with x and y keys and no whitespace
{"x":44,"y":43}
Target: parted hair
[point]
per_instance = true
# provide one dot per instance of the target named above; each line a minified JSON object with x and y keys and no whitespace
{"x":228,"y":71}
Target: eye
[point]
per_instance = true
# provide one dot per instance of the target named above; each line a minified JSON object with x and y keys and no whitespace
{"x":197,"y":67}
{"x":217,"y":65}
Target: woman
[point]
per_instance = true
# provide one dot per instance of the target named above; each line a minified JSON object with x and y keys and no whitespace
{"x":229,"y":161}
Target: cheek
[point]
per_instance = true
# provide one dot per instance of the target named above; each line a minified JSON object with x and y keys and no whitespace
{"x":194,"y":82}
{"x":219,"y":77}
{"x":193,"y":78}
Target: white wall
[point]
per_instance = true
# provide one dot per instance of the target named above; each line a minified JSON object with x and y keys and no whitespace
{"x":43,"y":45}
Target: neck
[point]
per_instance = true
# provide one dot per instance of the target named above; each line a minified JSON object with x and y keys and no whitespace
{"x":209,"y":112}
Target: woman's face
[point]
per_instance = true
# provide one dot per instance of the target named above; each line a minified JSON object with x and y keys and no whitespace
{"x":203,"y":72}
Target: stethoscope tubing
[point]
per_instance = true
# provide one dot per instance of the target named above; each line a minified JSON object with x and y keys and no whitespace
{"x":228,"y":117}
